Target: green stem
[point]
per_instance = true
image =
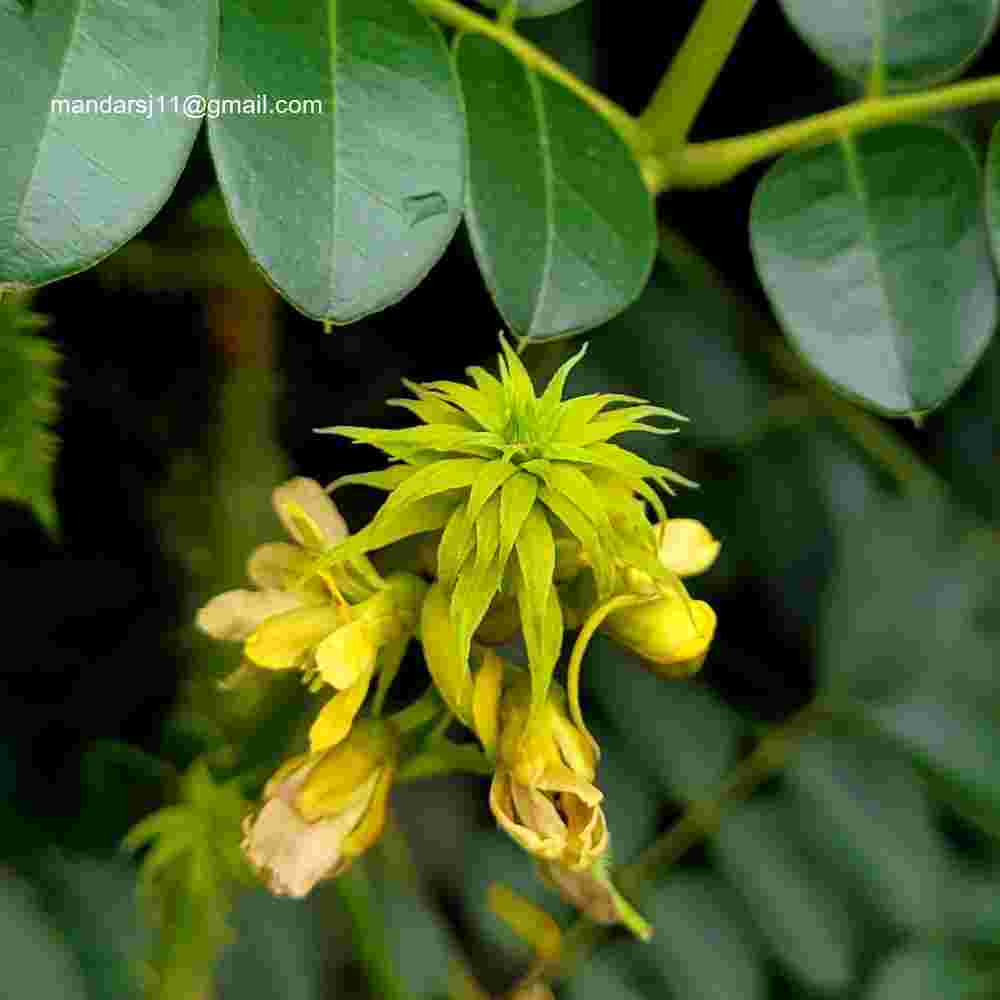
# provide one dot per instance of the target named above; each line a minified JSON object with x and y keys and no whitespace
{"x":707,"y":164}
{"x":682,"y":91}
{"x":355,"y":893}
{"x":422,"y":711}
{"x":455,"y":15}
{"x":701,"y":819}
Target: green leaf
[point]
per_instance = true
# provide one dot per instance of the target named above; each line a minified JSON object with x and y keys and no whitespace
{"x":456,"y":543}
{"x":926,"y":973}
{"x":27,"y":410}
{"x":932,"y":687}
{"x":491,"y":477}
{"x":568,"y":38}
{"x":448,"y":474}
{"x":993,"y":191}
{"x":536,"y":553}
{"x":683,"y":732}
{"x":705,"y":946}
{"x":276,"y":950}
{"x":80,"y":179}
{"x":381,"y":479}
{"x":37,"y":962}
{"x":427,"y":514}
{"x":543,"y":634}
{"x":561,"y":222}
{"x":909,"y":45}
{"x":801,"y":917}
{"x":346,"y":209}
{"x":682,"y":343}
{"x":866,"y":809}
{"x":92,"y":902}
{"x":873,"y":253}
{"x":517,"y":499}
{"x":533,"y":8}
{"x":475,"y":588}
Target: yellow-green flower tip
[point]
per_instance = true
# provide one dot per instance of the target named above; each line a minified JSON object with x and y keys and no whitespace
{"x":685,"y":546}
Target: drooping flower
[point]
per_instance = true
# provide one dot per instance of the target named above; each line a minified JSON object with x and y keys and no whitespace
{"x":671,"y":634}
{"x":543,"y":793}
{"x":323,"y":810}
{"x":509,"y":478}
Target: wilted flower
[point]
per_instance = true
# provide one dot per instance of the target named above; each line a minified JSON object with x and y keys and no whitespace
{"x":592,"y":892}
{"x":543,"y":793}
{"x":323,"y":810}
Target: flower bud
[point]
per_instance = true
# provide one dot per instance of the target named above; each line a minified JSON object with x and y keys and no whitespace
{"x":671,"y":633}
{"x":685,"y":546}
{"x":321,"y":811}
{"x":543,"y":793}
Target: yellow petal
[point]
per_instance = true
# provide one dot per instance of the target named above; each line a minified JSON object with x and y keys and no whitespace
{"x":558,"y":778}
{"x":346,"y":773}
{"x":345,"y":655}
{"x":373,"y":821}
{"x":506,"y":814}
{"x":448,"y":669}
{"x":526,"y":920}
{"x":574,"y":746}
{"x":308,"y":514}
{"x":277,"y":565}
{"x":686,"y":546}
{"x":282,"y":642}
{"x":337,"y":716}
{"x":236,"y":614}
{"x":486,"y":701}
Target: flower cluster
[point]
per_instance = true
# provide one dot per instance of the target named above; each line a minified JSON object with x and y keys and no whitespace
{"x":510,"y":519}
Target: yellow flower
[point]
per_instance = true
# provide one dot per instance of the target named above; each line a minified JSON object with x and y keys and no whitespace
{"x":300,"y":616}
{"x":671,"y":633}
{"x":323,"y":810}
{"x":280,"y":571}
{"x":543,"y":793}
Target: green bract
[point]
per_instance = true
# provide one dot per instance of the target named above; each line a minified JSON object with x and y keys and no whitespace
{"x":506,"y":475}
